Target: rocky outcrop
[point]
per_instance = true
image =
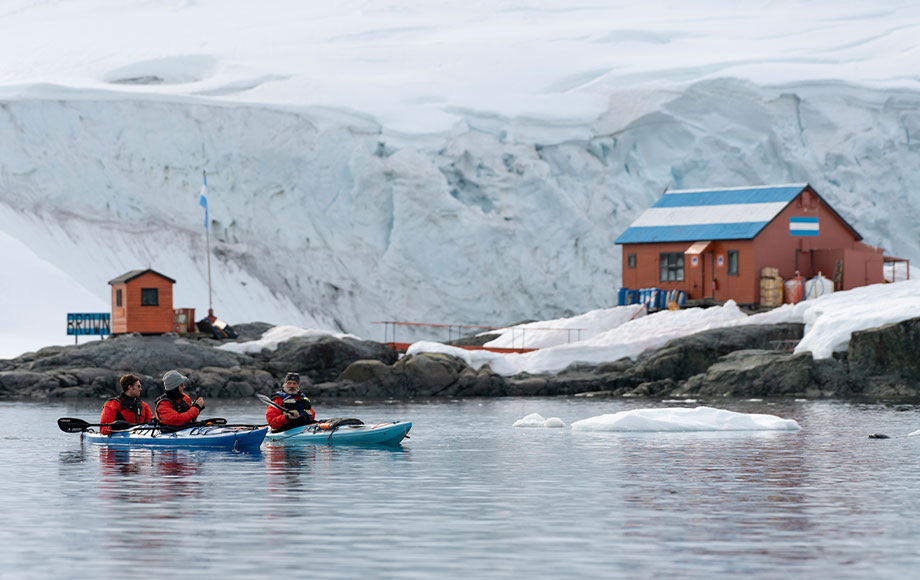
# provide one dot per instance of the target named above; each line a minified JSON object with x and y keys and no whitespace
{"x":92,"y":369}
{"x":324,"y":359}
{"x":760,"y":373}
{"x":743,"y":361}
{"x":885,"y":361}
{"x":423,"y":375}
{"x":684,"y":357}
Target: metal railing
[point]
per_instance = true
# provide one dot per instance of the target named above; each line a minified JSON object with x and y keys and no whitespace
{"x":388,"y":324}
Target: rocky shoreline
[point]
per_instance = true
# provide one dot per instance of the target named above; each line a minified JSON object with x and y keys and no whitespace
{"x":742,"y":361}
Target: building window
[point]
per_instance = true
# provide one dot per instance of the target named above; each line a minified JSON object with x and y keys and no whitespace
{"x":150,"y":297}
{"x":671,"y":265}
{"x":733,"y":262}
{"x":118,"y":297}
{"x":631,"y":261}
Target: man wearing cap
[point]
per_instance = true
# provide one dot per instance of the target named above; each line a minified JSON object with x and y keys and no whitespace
{"x":175,"y":408}
{"x":297,"y":408}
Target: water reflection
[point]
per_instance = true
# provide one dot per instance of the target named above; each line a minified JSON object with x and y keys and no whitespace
{"x":68,"y":457}
{"x":287,"y":464}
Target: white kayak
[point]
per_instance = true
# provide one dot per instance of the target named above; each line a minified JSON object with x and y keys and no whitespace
{"x":325,"y":433}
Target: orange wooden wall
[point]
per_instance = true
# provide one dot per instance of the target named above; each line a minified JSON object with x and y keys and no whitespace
{"x":132,"y":317}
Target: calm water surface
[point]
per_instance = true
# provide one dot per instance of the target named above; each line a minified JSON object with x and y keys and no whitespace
{"x":468,"y":496}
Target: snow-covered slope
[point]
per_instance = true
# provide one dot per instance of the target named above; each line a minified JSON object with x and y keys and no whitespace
{"x":463,"y":165}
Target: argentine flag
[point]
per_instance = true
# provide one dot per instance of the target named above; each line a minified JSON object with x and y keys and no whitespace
{"x":203,"y":200}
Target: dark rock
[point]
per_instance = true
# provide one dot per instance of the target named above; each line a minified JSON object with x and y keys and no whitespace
{"x":234,"y":382}
{"x":323,"y":359}
{"x":654,"y":388}
{"x":761,"y":373}
{"x":423,"y":375}
{"x":481,"y":383}
{"x":475,"y":340}
{"x":684,"y":357}
{"x":885,"y":361}
{"x":618,"y":366}
{"x":248,"y":331}
{"x":28,"y":384}
{"x":150,"y":355}
{"x":582,"y":378}
{"x":362,"y":371}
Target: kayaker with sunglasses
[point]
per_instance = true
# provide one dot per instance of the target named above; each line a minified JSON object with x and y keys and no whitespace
{"x":126,"y":407}
{"x":297,"y":408}
{"x":174,"y":408}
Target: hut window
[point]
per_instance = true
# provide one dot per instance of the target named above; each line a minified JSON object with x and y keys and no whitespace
{"x":733,"y":262}
{"x":150,"y":297}
{"x":631,"y":261}
{"x":118,"y":297}
{"x":671,"y":266}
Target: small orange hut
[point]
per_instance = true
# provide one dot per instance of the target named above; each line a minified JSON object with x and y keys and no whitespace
{"x":142,"y":302}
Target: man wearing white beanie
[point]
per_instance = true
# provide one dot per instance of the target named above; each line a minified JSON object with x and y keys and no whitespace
{"x":175,"y":408}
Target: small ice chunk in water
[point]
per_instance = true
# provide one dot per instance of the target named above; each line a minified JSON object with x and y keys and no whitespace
{"x":537,"y":420}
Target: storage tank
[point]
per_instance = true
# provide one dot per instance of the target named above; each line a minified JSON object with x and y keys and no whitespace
{"x":818,"y":286}
{"x":794,"y":289}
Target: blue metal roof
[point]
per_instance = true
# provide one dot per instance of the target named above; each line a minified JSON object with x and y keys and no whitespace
{"x":744,"y":231}
{"x":710,"y":214}
{"x":730,"y":196}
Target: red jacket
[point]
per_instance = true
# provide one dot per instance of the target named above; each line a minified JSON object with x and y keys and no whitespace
{"x":176,"y":413}
{"x":275,"y":417}
{"x":113,"y":410}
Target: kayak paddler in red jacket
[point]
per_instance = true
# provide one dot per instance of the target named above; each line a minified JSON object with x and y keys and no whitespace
{"x":175,"y":408}
{"x":126,"y":407}
{"x":297,"y":408}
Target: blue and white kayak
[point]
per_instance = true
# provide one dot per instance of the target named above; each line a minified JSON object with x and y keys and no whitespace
{"x":322,"y":434}
{"x":210,"y":437}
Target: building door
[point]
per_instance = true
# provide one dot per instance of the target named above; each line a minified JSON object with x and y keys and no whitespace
{"x":709,"y":290}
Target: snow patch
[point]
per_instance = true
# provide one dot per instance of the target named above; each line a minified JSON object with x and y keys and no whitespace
{"x":174,"y":70}
{"x":274,"y":336}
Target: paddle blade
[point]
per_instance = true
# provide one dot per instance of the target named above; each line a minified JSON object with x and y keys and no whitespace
{"x":71,"y":425}
{"x":268,"y":401}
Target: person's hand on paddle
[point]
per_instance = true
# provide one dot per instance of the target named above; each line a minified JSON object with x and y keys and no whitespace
{"x":199,"y":402}
{"x":292,"y":414}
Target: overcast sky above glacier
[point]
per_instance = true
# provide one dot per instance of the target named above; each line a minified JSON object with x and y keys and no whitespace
{"x":412,"y":65}
{"x":412,"y":68}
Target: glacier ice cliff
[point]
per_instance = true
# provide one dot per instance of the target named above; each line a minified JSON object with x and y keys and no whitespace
{"x":324,"y":218}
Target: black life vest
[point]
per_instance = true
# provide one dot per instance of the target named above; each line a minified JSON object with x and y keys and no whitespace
{"x":179,"y":405}
{"x":297,"y":402}
{"x":132,"y":405}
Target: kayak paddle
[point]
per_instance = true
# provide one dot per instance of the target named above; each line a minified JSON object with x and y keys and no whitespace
{"x":269,"y":402}
{"x":71,"y":425}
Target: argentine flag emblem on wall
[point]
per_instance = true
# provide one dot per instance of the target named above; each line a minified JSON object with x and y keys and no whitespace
{"x":803,"y":226}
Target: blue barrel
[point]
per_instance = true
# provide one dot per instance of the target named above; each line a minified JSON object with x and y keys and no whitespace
{"x":644,"y":295}
{"x":623,"y":297}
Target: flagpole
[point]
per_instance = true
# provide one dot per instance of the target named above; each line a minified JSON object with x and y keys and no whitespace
{"x":207,"y":238}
